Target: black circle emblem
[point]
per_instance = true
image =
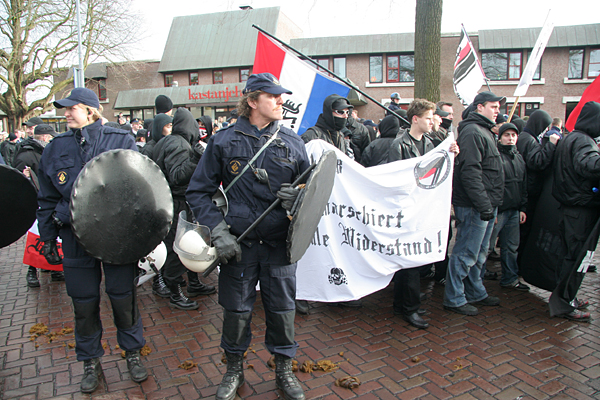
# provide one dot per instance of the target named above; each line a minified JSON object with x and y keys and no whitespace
{"x":431,"y":172}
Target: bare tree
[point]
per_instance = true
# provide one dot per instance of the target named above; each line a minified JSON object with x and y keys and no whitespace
{"x":39,"y":37}
{"x":428,"y":32}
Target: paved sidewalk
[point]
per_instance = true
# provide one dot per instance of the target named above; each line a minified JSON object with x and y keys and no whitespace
{"x":515,"y":351}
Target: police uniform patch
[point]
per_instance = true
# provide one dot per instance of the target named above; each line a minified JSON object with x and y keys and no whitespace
{"x":234,"y":167}
{"x":62,"y":177}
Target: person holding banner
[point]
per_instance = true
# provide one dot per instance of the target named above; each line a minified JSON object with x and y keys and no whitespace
{"x":255,"y":160}
{"x":478,"y":191}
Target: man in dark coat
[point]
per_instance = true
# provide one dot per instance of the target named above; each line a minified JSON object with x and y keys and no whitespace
{"x":8,"y":148}
{"x":359,"y":133}
{"x":576,"y":180}
{"x":478,"y":190}
{"x":336,"y":110}
{"x":377,"y":152}
{"x":538,"y":159}
{"x":177,"y":155}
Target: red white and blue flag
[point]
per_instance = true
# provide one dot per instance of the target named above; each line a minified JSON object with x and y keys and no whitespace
{"x":309,"y":86}
{"x":468,"y":74}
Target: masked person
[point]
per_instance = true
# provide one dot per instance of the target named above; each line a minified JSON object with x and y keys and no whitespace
{"x":61,"y":162}
{"x":231,"y":158}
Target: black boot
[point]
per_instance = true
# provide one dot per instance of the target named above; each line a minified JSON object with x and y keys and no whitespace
{"x":160,"y":288}
{"x":179,"y":300}
{"x":92,"y":372}
{"x":136,"y":369}
{"x":196,"y":288}
{"x":57,"y":276}
{"x":233,"y":378}
{"x":286,"y":380}
{"x":32,"y":279}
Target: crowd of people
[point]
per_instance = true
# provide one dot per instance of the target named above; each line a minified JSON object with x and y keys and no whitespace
{"x":499,"y":169}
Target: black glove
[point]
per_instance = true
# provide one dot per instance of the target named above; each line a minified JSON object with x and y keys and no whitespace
{"x":288,"y":195}
{"x":486,"y":215}
{"x":225,"y":243}
{"x":50,"y":251}
{"x":197,"y":150}
{"x":57,"y":222}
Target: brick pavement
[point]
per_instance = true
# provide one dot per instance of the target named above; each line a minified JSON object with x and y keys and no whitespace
{"x":515,"y":351}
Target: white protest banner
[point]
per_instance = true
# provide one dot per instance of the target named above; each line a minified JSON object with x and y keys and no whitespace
{"x":378,"y":220}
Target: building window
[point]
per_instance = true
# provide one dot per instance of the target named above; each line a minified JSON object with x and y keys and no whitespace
{"x":575,"y":64}
{"x":401,"y":68}
{"x":594,"y":63}
{"x":244,"y":74}
{"x":376,"y":69}
{"x":339,"y":66}
{"x":531,"y":107}
{"x":218,"y":76}
{"x":168,"y":80}
{"x":537,"y":75}
{"x":502,"y":66}
{"x":193,"y":78}
{"x":505,"y":109}
{"x":102,"y":89}
{"x":324,"y":62}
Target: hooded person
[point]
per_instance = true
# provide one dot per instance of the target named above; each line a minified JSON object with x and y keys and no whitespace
{"x":519,"y":123}
{"x":158,"y":124}
{"x":329,"y":126}
{"x":377,"y":152}
{"x":177,"y":155}
{"x":576,"y":173}
{"x":538,"y":159}
{"x":206,"y":127}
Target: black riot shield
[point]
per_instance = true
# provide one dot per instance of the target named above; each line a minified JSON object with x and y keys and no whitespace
{"x":18,"y":204}
{"x":121,"y":206}
{"x":312,"y":202}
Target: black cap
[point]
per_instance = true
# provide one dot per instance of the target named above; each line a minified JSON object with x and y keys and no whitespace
{"x":44,"y":129}
{"x":500,"y":118}
{"x":265,"y":82}
{"x":33,"y":121}
{"x":506,"y":127}
{"x":488,"y":96}
{"x":163,"y":104}
{"x":79,"y":96}
{"x":441,"y":113}
{"x":341,"y":104}
{"x":12,"y":136}
{"x":135,"y":120}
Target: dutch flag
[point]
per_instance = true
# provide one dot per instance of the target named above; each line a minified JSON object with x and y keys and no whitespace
{"x":309,"y":86}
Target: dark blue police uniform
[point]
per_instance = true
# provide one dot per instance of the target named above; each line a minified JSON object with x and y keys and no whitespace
{"x":61,"y":162}
{"x":264,"y":256}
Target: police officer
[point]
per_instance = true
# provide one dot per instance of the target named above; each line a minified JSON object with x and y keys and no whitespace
{"x":61,"y":162}
{"x":230,"y":158}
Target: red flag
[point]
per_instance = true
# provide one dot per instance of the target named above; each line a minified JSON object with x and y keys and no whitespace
{"x":592,"y":93}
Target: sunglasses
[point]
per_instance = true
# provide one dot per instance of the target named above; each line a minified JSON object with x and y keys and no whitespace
{"x":341,"y":113}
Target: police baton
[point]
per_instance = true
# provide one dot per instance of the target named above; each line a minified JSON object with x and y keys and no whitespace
{"x":297,"y":182}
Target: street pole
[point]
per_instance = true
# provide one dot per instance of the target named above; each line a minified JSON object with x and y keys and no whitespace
{"x":79,"y":80}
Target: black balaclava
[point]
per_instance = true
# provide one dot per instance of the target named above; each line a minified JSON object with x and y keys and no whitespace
{"x":446,"y":123}
{"x":538,"y":121}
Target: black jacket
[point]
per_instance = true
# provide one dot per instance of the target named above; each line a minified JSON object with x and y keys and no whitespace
{"x":174,"y":154}
{"x":515,"y":179}
{"x":537,"y":157}
{"x":478,"y":175}
{"x":577,"y":161}
{"x":29,"y":155}
{"x":438,"y":136}
{"x":325,"y":128}
{"x":360,"y":134}
{"x":377,"y":152}
{"x":403,"y":147}
{"x":8,"y":150}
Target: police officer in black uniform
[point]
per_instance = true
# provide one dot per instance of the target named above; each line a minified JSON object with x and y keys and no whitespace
{"x":61,"y":162}
{"x":262,"y":255}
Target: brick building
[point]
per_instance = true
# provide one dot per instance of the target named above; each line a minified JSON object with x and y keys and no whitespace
{"x":208,"y":57}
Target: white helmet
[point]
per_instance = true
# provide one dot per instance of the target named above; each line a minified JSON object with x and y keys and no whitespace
{"x":192,"y":245}
{"x":152,"y":263}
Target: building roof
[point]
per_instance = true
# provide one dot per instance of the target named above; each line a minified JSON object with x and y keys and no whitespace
{"x":93,"y":71}
{"x":525,"y":38}
{"x":359,"y":44}
{"x":219,"y":40}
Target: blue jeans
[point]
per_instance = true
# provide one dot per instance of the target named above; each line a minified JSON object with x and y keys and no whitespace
{"x":508,"y":233}
{"x":463,"y":279}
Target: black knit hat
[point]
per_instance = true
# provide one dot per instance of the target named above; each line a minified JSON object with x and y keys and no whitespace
{"x":163,"y":104}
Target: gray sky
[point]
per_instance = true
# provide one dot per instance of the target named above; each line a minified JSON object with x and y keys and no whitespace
{"x":361,"y":17}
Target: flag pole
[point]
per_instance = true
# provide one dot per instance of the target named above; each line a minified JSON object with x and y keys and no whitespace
{"x":514,"y":107}
{"x":352,"y":86}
